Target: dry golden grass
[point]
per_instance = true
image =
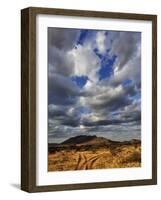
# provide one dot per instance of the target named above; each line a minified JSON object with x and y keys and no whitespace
{"x":115,"y":156}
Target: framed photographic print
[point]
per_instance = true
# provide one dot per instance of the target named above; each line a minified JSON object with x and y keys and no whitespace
{"x":88,"y":99}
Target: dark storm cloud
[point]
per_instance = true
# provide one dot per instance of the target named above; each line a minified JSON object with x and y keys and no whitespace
{"x":125,"y":46}
{"x":126,"y":118}
{"x":103,"y":122}
{"x":56,"y":111}
{"x":72,"y":119}
{"x":134,"y":116}
{"x":60,"y":42}
{"x":113,"y":103}
{"x":59,"y":62}
{"x":62,"y":90}
{"x":59,"y":132}
{"x":138,"y":85}
{"x":71,"y":122}
{"x":60,"y":84}
{"x":64,"y":115}
{"x":113,"y":100}
{"x":64,"y":39}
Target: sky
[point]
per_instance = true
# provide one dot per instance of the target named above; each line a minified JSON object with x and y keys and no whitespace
{"x":94,"y":84}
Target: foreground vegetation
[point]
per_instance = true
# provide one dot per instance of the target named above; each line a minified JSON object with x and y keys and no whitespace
{"x":84,"y":157}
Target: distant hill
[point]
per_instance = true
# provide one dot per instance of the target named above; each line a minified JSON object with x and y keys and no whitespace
{"x":94,"y":140}
{"x":88,"y":142}
{"x":91,"y":140}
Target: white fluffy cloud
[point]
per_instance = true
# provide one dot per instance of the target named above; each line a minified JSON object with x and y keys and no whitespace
{"x":85,"y":61}
{"x":101,"y":41}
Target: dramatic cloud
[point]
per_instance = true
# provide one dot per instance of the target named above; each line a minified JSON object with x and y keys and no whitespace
{"x":94,"y":84}
{"x":125,"y":46}
{"x":64,"y":39}
{"x":59,"y":62}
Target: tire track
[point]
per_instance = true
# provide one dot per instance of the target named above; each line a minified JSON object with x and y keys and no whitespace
{"x":84,"y":163}
{"x":92,"y":161}
{"x":82,"y":159}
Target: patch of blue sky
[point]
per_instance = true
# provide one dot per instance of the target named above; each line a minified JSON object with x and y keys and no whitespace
{"x":97,"y":53}
{"x":127,"y":82}
{"x":136,"y":97}
{"x":84,"y":110}
{"x":106,"y":33}
{"x":82,"y":36}
{"x":114,"y":113}
{"x":106,"y":68}
{"x":85,"y":36}
{"x":101,"y":55}
{"x":79,"y":80}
